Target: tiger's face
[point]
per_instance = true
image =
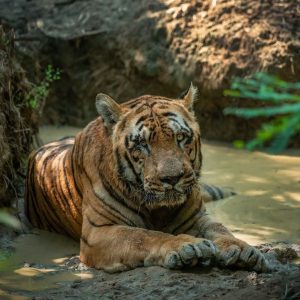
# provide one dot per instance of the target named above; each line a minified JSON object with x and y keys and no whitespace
{"x":156,"y":144}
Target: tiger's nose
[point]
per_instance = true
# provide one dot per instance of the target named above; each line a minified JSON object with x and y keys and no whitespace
{"x":172,"y":180}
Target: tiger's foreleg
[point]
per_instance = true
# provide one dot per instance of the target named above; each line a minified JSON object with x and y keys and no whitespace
{"x":232,"y":251}
{"x":118,"y":248}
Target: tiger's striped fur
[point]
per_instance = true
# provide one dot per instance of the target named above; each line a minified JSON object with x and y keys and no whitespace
{"x":127,"y":187}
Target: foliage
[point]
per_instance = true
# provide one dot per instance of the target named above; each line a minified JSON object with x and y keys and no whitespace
{"x":9,"y":220}
{"x":39,"y":92}
{"x":284,"y":109}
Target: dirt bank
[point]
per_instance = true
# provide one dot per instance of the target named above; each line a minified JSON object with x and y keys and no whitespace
{"x":16,"y":119}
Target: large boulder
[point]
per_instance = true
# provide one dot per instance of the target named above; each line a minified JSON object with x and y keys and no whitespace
{"x":128,"y":48}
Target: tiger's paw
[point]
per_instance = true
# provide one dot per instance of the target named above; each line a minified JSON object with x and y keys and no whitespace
{"x":234,"y":252}
{"x":188,"y":252}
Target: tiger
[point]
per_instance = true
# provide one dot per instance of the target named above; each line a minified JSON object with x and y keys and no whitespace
{"x":127,"y":188}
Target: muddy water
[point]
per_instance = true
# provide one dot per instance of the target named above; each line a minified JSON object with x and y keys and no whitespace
{"x":36,"y":264}
{"x":267,"y":208}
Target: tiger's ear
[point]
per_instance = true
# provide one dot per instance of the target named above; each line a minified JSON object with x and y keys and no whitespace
{"x":108,"y":109}
{"x":191,"y":97}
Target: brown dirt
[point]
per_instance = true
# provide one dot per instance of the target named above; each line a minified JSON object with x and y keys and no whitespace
{"x":128,"y":48}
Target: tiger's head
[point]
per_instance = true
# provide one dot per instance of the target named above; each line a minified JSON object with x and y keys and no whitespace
{"x":156,"y":146}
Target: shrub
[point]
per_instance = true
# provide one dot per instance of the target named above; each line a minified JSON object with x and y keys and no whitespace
{"x":284,"y":110}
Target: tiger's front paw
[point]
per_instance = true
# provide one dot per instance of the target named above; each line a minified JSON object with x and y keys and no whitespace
{"x":187,"y":251}
{"x":234,"y":252}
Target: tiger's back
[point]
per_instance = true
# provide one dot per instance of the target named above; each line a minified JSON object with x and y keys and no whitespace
{"x":53,"y":200}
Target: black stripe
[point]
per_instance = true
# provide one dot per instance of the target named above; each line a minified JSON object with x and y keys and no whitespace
{"x":137,"y":179}
{"x":186,"y":124}
{"x":117,"y":197}
{"x":187,"y":220}
{"x":152,"y":135}
{"x":196,"y":149}
{"x":140,"y":127}
{"x":219,"y":192}
{"x":92,"y":223}
{"x":40,"y":222}
{"x":82,"y":238}
{"x":191,"y":226}
{"x":73,"y":173}
{"x":190,"y":137}
{"x":169,"y":114}
{"x":120,"y":166}
{"x":211,"y":191}
{"x":126,"y":142}
{"x":68,"y":186}
{"x":54,"y":221}
{"x":118,"y":215}
{"x":102,"y":215}
{"x":60,"y":195}
{"x":176,"y":121}
{"x":141,"y":119}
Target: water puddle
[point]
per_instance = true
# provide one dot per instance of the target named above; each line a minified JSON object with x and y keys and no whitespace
{"x":267,"y":207}
{"x":36,"y":264}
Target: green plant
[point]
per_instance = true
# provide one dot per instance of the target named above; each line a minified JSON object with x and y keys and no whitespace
{"x":40,"y":91}
{"x":284,"y":110}
{"x":9,"y":220}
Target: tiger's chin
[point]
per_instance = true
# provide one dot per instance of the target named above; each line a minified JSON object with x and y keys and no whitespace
{"x":167,"y":199}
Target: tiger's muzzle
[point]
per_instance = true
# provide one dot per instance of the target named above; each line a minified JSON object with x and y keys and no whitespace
{"x":169,"y":179}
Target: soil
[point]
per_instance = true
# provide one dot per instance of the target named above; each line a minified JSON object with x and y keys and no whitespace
{"x":128,"y":48}
{"x":43,"y":265}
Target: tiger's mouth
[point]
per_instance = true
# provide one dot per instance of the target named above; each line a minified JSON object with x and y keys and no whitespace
{"x":168,"y":197}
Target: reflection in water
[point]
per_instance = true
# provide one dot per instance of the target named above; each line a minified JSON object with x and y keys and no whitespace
{"x":36,"y":262}
{"x":266,"y":209}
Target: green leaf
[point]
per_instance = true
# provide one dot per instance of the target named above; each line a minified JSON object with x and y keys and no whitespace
{"x":232,"y":93}
{"x":239,"y":144}
{"x":9,"y":220}
{"x":286,"y":114}
{"x":264,"y":111}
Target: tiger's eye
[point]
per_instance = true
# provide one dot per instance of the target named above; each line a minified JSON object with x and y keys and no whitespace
{"x":180,"y":136}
